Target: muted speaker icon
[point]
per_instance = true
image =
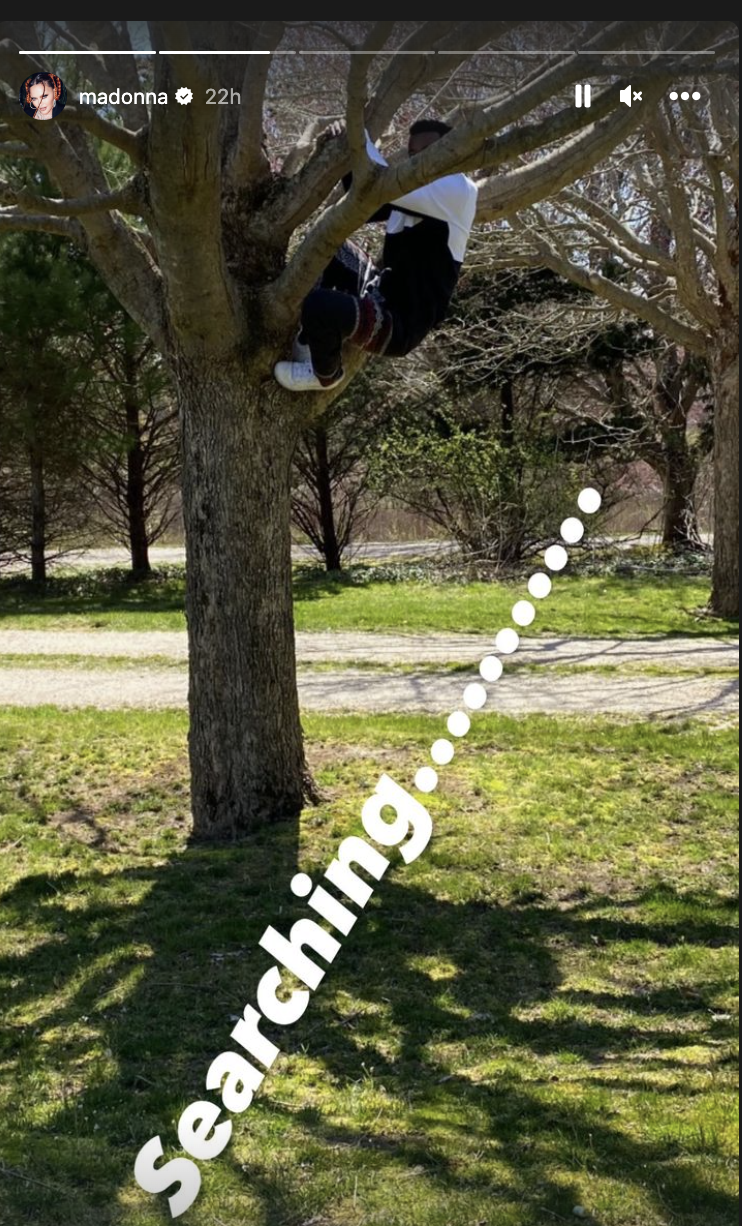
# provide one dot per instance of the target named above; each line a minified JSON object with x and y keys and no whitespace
{"x":625,"y":95}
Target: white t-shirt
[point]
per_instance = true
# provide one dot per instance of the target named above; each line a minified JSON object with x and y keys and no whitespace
{"x":452,"y":199}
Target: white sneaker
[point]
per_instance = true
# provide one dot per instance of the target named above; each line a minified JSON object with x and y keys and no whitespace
{"x":299,"y":352}
{"x":300,"y":377}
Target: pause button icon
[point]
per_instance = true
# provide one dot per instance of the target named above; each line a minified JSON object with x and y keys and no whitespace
{"x":583,"y":95}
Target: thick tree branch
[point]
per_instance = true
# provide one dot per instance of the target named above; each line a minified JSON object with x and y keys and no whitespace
{"x":15,"y":149}
{"x":13,"y":65}
{"x":66,"y":227}
{"x":406,"y":73}
{"x":128,"y":199}
{"x":100,"y":69}
{"x":185,"y":192}
{"x":666,"y":145}
{"x":134,"y":144}
{"x":249,"y":161}
{"x":530,"y":183}
{"x":355,"y":111}
{"x":120,"y":254}
{"x":547,"y":256}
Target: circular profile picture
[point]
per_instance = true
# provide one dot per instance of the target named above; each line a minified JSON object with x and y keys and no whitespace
{"x":43,"y":96}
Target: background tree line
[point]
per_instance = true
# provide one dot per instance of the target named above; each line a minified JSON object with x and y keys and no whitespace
{"x":486,"y":433}
{"x":88,"y":427}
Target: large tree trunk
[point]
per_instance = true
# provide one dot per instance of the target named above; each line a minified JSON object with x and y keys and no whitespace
{"x":246,"y":748}
{"x":679,"y":518}
{"x":331,"y":549}
{"x":138,"y":540}
{"x":674,"y":391}
{"x":725,"y":369}
{"x":725,"y":365}
{"x":38,"y":515}
{"x":510,"y":535}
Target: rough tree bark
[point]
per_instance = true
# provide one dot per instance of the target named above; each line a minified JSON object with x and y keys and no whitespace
{"x":679,"y":519}
{"x":247,"y":755}
{"x":725,"y":373}
{"x":673,"y":395}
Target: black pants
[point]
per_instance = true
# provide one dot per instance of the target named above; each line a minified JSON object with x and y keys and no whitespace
{"x":345,"y":306}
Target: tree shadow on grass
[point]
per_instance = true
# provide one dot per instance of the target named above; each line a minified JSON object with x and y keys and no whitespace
{"x":113,"y":590}
{"x":132,"y":982}
{"x":315,"y":583}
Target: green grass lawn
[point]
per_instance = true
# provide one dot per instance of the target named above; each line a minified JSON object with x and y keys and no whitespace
{"x":536,"y":1014}
{"x":625,"y":605}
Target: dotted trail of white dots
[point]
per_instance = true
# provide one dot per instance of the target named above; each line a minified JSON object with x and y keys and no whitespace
{"x":507,"y":640}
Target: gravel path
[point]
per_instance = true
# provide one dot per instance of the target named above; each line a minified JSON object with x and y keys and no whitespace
{"x":339,"y":646}
{"x":364,"y":551}
{"x":357,"y":690}
{"x":352,"y":689}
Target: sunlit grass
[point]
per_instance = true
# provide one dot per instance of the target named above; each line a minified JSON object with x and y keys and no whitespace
{"x":628,"y":606}
{"x":536,"y":1014}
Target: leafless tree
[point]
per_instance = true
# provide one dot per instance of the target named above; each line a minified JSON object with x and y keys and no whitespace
{"x":197,"y":245}
{"x":332,"y":497}
{"x":134,"y":468}
{"x":657,"y":234}
{"x":647,"y":399}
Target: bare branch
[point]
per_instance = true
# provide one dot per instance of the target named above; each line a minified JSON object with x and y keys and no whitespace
{"x":248,"y":158}
{"x":667,"y":147}
{"x":14,"y":219}
{"x":527,"y":184}
{"x":355,"y":120}
{"x":666,"y":324}
{"x":86,"y":117}
{"x":15,"y":149}
{"x":82,"y":116}
{"x":628,"y":240}
{"x":99,"y":69}
{"x":185,"y":191}
{"x":128,"y":199}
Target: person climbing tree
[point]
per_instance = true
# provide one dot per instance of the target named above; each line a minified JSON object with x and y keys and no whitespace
{"x":388,"y":310}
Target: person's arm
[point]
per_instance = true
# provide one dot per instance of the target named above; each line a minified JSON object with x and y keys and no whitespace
{"x":383,"y":213}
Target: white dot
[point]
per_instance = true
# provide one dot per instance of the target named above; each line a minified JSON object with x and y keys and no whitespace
{"x":458,"y":723}
{"x":539,"y":585}
{"x":441,"y":751}
{"x":556,"y":557}
{"x":589,"y":500}
{"x":491,"y":668}
{"x":685,"y":95}
{"x":674,"y":95}
{"x":696,"y":96}
{"x":475,"y":696}
{"x":301,"y":885}
{"x":426,"y":779}
{"x":572,"y":530}
{"x":507,"y":641}
{"x":523,"y":613}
